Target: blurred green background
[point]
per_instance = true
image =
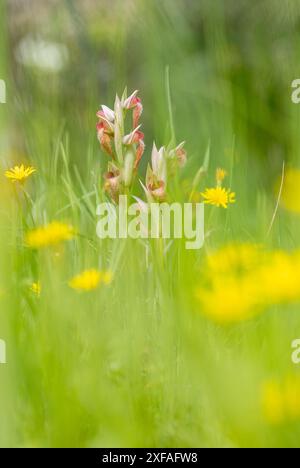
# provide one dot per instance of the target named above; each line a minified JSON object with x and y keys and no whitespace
{"x":231,"y":67}
{"x":147,"y":371}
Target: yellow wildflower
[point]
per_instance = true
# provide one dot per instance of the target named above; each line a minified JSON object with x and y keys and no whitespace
{"x":242,"y":280}
{"x":272,"y":402}
{"x":50,"y":234}
{"x":36,"y":288}
{"x":220,"y":175}
{"x":281,"y":400}
{"x":279,"y":278}
{"x":290,"y":197}
{"x":218,"y":196}
{"x":229,"y":300}
{"x":231,"y":291}
{"x":19,"y":173}
{"x":234,"y":258}
{"x":90,"y":279}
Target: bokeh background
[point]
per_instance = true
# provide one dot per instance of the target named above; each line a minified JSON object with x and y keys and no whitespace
{"x":230,"y":66}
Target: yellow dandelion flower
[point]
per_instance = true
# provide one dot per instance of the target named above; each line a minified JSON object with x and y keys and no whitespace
{"x":229,"y":300}
{"x":234,"y":258}
{"x":281,"y":400}
{"x":272,"y":402}
{"x":230,"y":293}
{"x":290,"y":197}
{"x":90,"y":279}
{"x":218,"y":196}
{"x":19,"y":173}
{"x":86,"y":281}
{"x":220,"y":175}
{"x":240,"y":281}
{"x":279,"y":278}
{"x":50,"y":234}
{"x":36,"y":288}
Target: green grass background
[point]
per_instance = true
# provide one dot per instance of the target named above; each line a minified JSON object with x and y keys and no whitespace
{"x":137,"y":364}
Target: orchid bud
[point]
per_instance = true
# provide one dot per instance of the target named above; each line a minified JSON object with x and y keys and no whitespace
{"x":136,"y":137}
{"x":158,"y":190}
{"x":135,"y":103}
{"x":108,"y":125}
{"x":139,"y":152}
{"x":159,"y":163}
{"x":129,"y":102}
{"x":119,"y":129}
{"x":112,"y":182}
{"x":132,"y":137}
{"x":104,"y":139}
{"x":155,"y":187}
{"x":137,"y":111}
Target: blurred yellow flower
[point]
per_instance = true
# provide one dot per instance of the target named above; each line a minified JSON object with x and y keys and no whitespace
{"x":242,"y":280}
{"x":272,"y":402}
{"x":36,"y":288}
{"x":220,"y":175}
{"x":281,"y":400}
{"x":230,"y":290}
{"x":90,"y":279}
{"x":279,"y":278}
{"x":234,"y":258}
{"x":50,"y":234}
{"x":218,"y":196}
{"x":290,"y":197}
{"x":19,"y":173}
{"x":229,"y":300}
